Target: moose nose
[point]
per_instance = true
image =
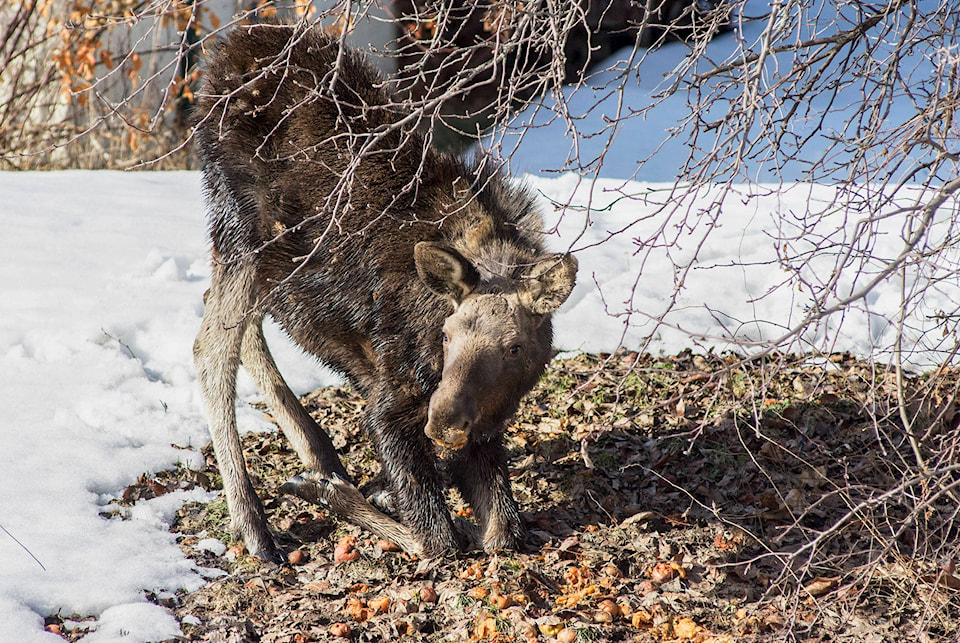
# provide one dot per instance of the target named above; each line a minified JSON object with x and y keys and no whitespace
{"x":449,"y":425}
{"x":450,"y":439}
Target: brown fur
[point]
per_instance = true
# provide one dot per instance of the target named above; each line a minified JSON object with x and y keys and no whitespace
{"x":328,"y":212}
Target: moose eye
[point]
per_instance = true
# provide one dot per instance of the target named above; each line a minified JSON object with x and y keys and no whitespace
{"x":445,"y":338}
{"x":515,"y":350}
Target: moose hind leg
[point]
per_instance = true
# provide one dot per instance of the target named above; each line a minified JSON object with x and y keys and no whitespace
{"x":312,"y":444}
{"x":216,"y":354}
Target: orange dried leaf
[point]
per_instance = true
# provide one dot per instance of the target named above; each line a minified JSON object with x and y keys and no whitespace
{"x":641,"y":619}
{"x":486,"y":628}
{"x":356,"y":610}
{"x":473,"y":572}
{"x":479,"y":592}
{"x":502,"y":601}
{"x":379,"y":604}
{"x":686,"y":629}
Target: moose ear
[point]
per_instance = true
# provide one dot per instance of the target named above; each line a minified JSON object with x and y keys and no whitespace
{"x":444,"y":270}
{"x":549,"y":283}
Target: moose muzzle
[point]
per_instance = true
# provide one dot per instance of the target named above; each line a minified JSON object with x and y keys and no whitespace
{"x":450,"y":418}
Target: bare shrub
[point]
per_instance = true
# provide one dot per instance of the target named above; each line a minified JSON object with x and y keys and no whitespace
{"x":95,"y":84}
{"x":478,"y":61}
{"x":108,"y":83}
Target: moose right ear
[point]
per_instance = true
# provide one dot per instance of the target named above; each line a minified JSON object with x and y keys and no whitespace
{"x":549,"y":283}
{"x":444,"y":270}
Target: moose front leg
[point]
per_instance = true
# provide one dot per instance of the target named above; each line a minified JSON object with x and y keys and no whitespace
{"x":395,"y":427}
{"x":345,"y":500}
{"x":479,"y":471}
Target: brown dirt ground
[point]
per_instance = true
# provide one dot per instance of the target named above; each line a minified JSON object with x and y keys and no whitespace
{"x":684,"y":498}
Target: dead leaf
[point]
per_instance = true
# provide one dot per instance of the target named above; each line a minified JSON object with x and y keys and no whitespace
{"x":943,"y":580}
{"x":686,"y":629}
{"x":640,"y":516}
{"x":821,"y":585}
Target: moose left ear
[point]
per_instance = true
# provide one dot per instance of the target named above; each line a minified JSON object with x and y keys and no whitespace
{"x":549,"y":283}
{"x":444,"y":270}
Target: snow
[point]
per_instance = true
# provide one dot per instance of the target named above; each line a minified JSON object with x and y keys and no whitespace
{"x":738,"y":291}
{"x":102,"y":282}
{"x":598,"y":124}
{"x":101,"y":285}
{"x":134,"y":622}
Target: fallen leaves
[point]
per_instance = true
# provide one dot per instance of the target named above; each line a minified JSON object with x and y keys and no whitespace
{"x":945,"y":576}
{"x":664,"y":539}
{"x":948,"y":581}
{"x":486,"y":628}
{"x":502,"y":601}
{"x":357,"y":610}
{"x":686,"y":629}
{"x":579,"y":586}
{"x":472,"y":572}
{"x":362,"y":609}
{"x":478,"y":593}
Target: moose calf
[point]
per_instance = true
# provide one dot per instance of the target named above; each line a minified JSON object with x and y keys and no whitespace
{"x":421,"y":278}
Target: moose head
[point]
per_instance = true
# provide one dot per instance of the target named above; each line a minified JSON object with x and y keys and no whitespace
{"x":497,"y":340}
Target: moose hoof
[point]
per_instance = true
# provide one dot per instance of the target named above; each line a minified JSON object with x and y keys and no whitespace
{"x":467,"y":535}
{"x":499,"y":540}
{"x":313,"y":487}
{"x":384,"y":501}
{"x":260,"y":544}
{"x":302,"y":488}
{"x":271,"y":555}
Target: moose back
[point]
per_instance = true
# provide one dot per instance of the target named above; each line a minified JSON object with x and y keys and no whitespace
{"x":420,"y":277}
